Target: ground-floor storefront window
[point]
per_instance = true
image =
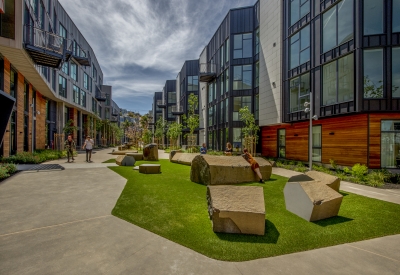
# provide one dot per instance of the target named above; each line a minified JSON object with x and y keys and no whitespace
{"x":282,"y":143}
{"x":390,"y":144}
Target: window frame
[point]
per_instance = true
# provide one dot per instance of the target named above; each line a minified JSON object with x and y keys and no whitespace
{"x":242,"y":48}
{"x":236,"y":80}
{"x":62,"y":92}
{"x":315,"y":147}
{"x":281,"y":146}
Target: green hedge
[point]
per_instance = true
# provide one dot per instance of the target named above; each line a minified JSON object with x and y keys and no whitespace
{"x":7,"y":170}
{"x":38,"y":156}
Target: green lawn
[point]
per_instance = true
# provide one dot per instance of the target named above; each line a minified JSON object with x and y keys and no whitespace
{"x":109,"y":161}
{"x":172,"y":206}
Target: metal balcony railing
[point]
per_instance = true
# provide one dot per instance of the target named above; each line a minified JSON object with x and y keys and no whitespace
{"x":208,"y":72}
{"x":161,"y":104}
{"x":100,"y":97}
{"x":177,"y":110}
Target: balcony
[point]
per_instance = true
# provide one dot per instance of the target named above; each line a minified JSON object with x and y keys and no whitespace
{"x":208,"y":72}
{"x":177,"y":110}
{"x":82,"y":56}
{"x":161,"y":104}
{"x":45,"y":48}
{"x":100,"y":97}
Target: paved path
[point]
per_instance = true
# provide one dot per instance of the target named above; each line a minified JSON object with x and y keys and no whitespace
{"x":60,"y":222}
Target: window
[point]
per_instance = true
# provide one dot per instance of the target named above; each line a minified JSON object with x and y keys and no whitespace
{"x":94,"y":73}
{"x":74,"y":47}
{"x":107,"y":113}
{"x":373,"y":17}
{"x":227,"y":53}
{"x":227,"y":80}
{"x":338,"y":81}
{"x":299,"y":92}
{"x":76,"y":94}
{"x":54,"y":79}
{"x":42,"y":15}
{"x":13,"y":133}
{"x":63,"y":32}
{"x":108,"y":101}
{"x":211,"y":92}
{"x":317,"y":143}
{"x":281,"y":143}
{"x":74,"y":71}
{"x":257,"y":46}
{"x":242,"y":45}
{"x":83,"y":98}
{"x":390,"y":143}
{"x":242,"y":77}
{"x":210,"y":116}
{"x":26,"y":133}
{"x":257,"y":107}
{"x":226,"y":110}
{"x":238,"y":103}
{"x":94,"y":105}
{"x":221,"y":54}
{"x":298,"y":9}
{"x":13,"y":87}
{"x":373,"y":75}
{"x":65,"y":68}
{"x":221,"y":112}
{"x":193,"y":83}
{"x":221,"y":84}
{"x":395,"y":72}
{"x":171,"y":97}
{"x":237,"y":139}
{"x":300,"y":47}
{"x":257,"y":75}
{"x":86,"y":81}
{"x":395,"y":16}
{"x":62,"y":86}
{"x":338,"y":25}
{"x":26,"y":97}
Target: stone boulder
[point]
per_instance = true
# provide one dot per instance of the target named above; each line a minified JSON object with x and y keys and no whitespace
{"x":237,"y":209}
{"x":184,"y":158}
{"x":150,"y":152}
{"x":330,"y":180}
{"x":125,"y":161}
{"x":222,"y":170}
{"x":150,"y":168}
{"x":312,"y":200}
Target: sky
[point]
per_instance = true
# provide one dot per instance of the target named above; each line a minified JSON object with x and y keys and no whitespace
{"x":142,"y":43}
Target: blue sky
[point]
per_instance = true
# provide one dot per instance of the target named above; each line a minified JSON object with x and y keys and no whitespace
{"x":142,"y":43}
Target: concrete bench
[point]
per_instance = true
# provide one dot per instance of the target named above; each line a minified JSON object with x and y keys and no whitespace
{"x":150,"y":168}
{"x":136,"y":156}
{"x":125,"y":161}
{"x":237,"y":209}
{"x":222,"y":170}
{"x":184,"y":158}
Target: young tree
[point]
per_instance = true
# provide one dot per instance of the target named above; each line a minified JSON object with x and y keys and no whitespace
{"x":192,"y":120}
{"x":250,"y":129}
{"x":69,"y":127}
{"x":159,"y":134}
{"x":174,"y":131}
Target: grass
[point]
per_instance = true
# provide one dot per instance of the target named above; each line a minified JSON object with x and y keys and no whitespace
{"x":172,"y":206}
{"x":109,"y":161}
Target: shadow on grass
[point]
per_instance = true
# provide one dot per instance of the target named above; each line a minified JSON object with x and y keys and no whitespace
{"x":333,"y":221}
{"x":343,"y":194}
{"x":271,"y":235}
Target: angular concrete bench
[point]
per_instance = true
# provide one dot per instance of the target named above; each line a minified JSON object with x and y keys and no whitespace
{"x":173,"y":152}
{"x":136,"y":156}
{"x":125,"y":161}
{"x":330,"y":180}
{"x":237,"y":209}
{"x":312,"y":200}
{"x":122,"y":153}
{"x":150,"y":168}
{"x":223,"y":170}
{"x":184,"y":158}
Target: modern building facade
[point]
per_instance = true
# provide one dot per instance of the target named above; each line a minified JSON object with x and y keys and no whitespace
{"x":52,"y":72}
{"x":346,"y":54}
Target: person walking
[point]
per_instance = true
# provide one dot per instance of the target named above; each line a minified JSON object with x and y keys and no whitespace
{"x":254,"y":165}
{"x":88,"y":145}
{"x":69,"y":145}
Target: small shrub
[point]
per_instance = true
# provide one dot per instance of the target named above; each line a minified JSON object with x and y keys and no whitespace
{"x":3,"y":173}
{"x":6,"y":170}
{"x":377,"y":178}
{"x":300,"y":164}
{"x":333,"y":164}
{"x":302,"y":169}
{"x":359,"y":171}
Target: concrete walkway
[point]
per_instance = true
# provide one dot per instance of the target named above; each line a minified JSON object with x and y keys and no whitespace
{"x":60,"y":222}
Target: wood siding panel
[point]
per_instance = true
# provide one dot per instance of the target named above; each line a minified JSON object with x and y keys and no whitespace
{"x":297,"y":141}
{"x":269,"y":141}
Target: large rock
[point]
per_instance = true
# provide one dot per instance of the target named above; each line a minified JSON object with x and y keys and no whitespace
{"x":125,"y":161}
{"x":237,"y":209}
{"x":222,"y":170}
{"x":150,"y":152}
{"x":184,"y":158}
{"x":330,"y":180}
{"x":312,"y":200}
{"x":150,"y":168}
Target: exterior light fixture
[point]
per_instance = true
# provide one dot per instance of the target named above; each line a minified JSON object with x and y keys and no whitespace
{"x":309,"y":110}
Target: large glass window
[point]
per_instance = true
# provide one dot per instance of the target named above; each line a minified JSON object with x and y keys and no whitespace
{"x":242,"y":45}
{"x":396,"y":17}
{"x":227,"y":53}
{"x":222,"y":55}
{"x":373,"y":17}
{"x":221,"y":112}
{"x":210,"y":117}
{"x":62,"y":86}
{"x":65,"y":68}
{"x":300,"y":47}
{"x":211,"y":92}
{"x":242,"y":77}
{"x":257,"y":75}
{"x":238,"y":103}
{"x":395,"y":72}
{"x":86,"y":81}
{"x":338,"y":25}
{"x":373,"y":73}
{"x":13,"y":79}
{"x":108,"y":100}
{"x":298,"y":9}
{"x":221,"y":84}
{"x":83,"y":98}
{"x":13,"y":133}
{"x":299,"y":92}
{"x":76,"y":94}
{"x":26,"y":97}
{"x":226,"y":110}
{"x":257,"y":107}
{"x":193,"y":83}
{"x":338,"y":81}
{"x":74,"y":71}
{"x":257,"y":46}
{"x":171,"y":97}
{"x":227,"y":80}
{"x":281,"y":143}
{"x":63,"y":31}
{"x":237,"y":139}
{"x":317,"y":143}
{"x":390,"y":144}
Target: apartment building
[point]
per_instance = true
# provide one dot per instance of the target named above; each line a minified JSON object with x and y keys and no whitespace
{"x":51,"y":71}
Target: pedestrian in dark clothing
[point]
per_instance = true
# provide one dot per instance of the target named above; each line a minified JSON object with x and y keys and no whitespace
{"x":69,"y":145}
